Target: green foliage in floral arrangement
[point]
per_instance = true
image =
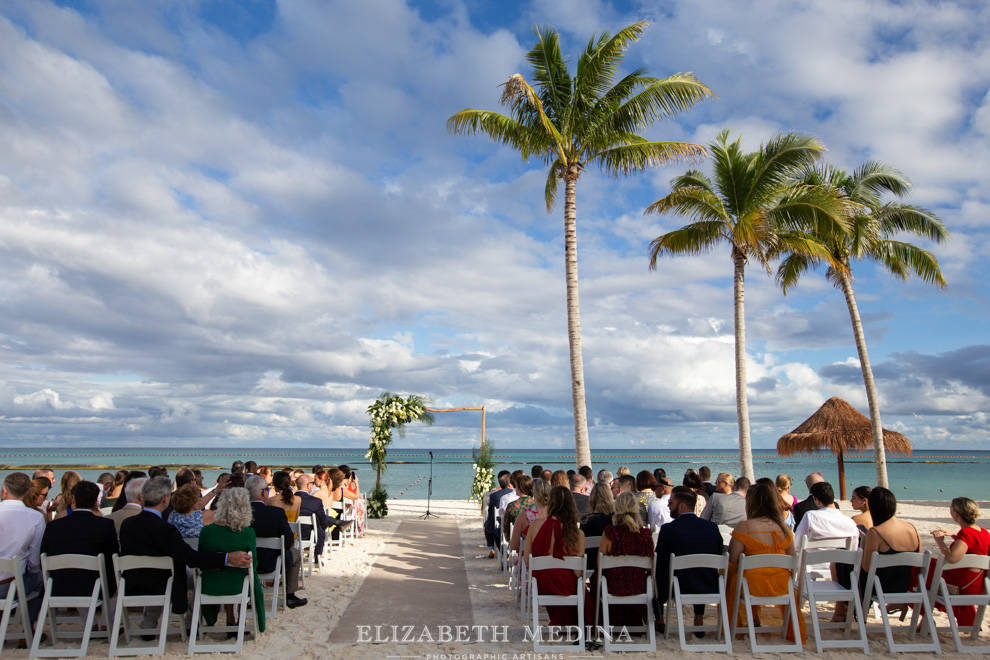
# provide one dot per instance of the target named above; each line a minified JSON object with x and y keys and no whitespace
{"x":484,"y":471}
{"x":377,"y":503}
{"x":391,"y":412}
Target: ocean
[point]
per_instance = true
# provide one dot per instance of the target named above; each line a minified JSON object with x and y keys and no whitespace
{"x":925,"y":475}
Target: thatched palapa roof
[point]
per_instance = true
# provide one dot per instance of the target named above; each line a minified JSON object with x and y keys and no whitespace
{"x":837,"y":427}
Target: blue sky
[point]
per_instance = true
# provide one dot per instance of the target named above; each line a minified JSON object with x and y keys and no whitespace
{"x":236,"y":223}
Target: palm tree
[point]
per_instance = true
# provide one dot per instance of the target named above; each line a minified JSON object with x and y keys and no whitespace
{"x":872,"y":223}
{"x":753,"y":206}
{"x":569,"y":122}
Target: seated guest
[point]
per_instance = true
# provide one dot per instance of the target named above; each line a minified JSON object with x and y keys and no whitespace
{"x":37,"y":494}
{"x":285,"y":498}
{"x":577,"y":484}
{"x":763,"y":532}
{"x":509,"y":498}
{"x":185,"y":517}
{"x":658,"y":513}
{"x":547,"y":475}
{"x":21,"y":529}
{"x":541,"y":499}
{"x":122,"y":500}
{"x":147,"y":534}
{"x":558,"y":536}
{"x":889,"y":536}
{"x":644,"y":492}
{"x":250,"y":467}
{"x":860,"y":502}
{"x":231,"y":530}
{"x":827,"y":522}
{"x":63,"y":501}
{"x":237,"y":467}
{"x":134,"y":503}
{"x":524,"y":487}
{"x":493,"y":502}
{"x":560,"y":478}
{"x":589,"y":478}
{"x":81,"y":533}
{"x":601,"y":505}
{"x":693,"y":481}
{"x":270,"y":521}
{"x":687,"y":534}
{"x":309,"y":505}
{"x":727,"y":506}
{"x":537,"y":472}
{"x":783,"y":483}
{"x":804,"y":506}
{"x":705,"y":473}
{"x":105,"y":482}
{"x":157,"y":471}
{"x":626,"y":537}
{"x":971,"y":539}
{"x":604,"y":477}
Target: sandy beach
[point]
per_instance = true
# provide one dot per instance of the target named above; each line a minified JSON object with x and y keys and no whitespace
{"x":303,"y":633}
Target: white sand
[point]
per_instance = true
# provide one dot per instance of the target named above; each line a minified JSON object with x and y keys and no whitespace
{"x":301,"y":634}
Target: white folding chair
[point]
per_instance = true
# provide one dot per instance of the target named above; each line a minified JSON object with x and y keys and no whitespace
{"x":591,"y":545}
{"x":192,"y":541}
{"x":577,"y":600}
{"x":646,"y":599}
{"x":14,"y":603}
{"x":726,"y":533}
{"x":106,"y":510}
{"x":940,"y":594}
{"x":305,"y":544}
{"x":677,"y":599}
{"x":277,"y":577}
{"x":810,"y":564}
{"x":918,"y":599}
{"x":350,"y":513}
{"x":782,"y":562}
{"x":50,"y":604}
{"x":126,"y":599}
{"x":827,"y":590}
{"x":239,"y":601}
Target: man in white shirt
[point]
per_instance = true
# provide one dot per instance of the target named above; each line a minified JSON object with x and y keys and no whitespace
{"x":504,"y":503}
{"x":825,"y":522}
{"x":21,"y":529}
{"x":658,"y":513}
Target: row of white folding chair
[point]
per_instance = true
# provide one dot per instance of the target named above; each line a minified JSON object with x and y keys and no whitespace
{"x":917,"y":600}
{"x":126,"y":601}
{"x":276,"y":577}
{"x":605,"y":600}
{"x":576,"y":564}
{"x":306,"y":546}
{"x":822,"y":588}
{"x":239,"y":600}
{"x":15,"y":603}
{"x":940,"y":594}
{"x":677,"y":599}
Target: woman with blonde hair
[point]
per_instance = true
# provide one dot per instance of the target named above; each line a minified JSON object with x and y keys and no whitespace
{"x":626,"y":537}
{"x":783,"y":484}
{"x":231,"y":531}
{"x":971,"y":539}
{"x":63,"y":501}
{"x":602,"y":505}
{"x":541,"y":498}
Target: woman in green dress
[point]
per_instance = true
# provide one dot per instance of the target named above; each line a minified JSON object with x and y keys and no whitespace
{"x":231,"y":530}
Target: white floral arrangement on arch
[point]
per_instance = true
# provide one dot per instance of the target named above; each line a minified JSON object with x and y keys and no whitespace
{"x":484,"y":472}
{"x":389,"y":412}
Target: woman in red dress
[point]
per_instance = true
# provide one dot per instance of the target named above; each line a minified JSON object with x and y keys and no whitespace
{"x":558,"y":536}
{"x":971,"y":539}
{"x":626,"y":536}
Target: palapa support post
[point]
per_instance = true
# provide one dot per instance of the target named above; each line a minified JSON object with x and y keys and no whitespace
{"x":842,"y":478}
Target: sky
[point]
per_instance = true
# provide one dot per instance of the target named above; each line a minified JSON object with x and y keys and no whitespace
{"x":235,"y":223}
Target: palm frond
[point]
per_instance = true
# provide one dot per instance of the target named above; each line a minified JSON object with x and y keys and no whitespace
{"x":660,"y":99}
{"x":550,"y":72}
{"x":692,"y":179}
{"x":553,"y":178}
{"x":901,"y":259}
{"x":790,"y":270}
{"x":780,"y":159}
{"x":598,"y":65}
{"x":698,"y":204}
{"x":895,"y":217}
{"x":871,"y":179}
{"x":696,"y":238}
{"x":640,"y":156}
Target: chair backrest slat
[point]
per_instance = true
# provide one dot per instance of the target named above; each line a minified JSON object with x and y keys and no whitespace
{"x":631,"y":561}
{"x":546,"y":563}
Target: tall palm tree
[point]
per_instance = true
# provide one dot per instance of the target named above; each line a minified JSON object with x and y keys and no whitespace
{"x":569,"y":122}
{"x":872,"y":222}
{"x":753,"y":206}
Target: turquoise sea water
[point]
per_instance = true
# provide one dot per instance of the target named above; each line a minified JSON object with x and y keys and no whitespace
{"x":925,"y":475}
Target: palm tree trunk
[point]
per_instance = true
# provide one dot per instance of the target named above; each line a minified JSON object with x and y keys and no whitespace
{"x":742,"y":406}
{"x":871,"y":389}
{"x":582,"y":448}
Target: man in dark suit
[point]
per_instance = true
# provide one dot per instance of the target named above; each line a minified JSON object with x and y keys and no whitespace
{"x":270,"y":521}
{"x":687,"y":534}
{"x":147,"y":534}
{"x":804,"y":506}
{"x":314,"y":506}
{"x":705,"y":473}
{"x":493,"y":499}
{"x":81,"y":532}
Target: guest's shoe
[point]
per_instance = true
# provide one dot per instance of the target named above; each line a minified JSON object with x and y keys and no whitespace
{"x":491,"y":554}
{"x":660,"y":627}
{"x":293,"y":601}
{"x":341,"y":524}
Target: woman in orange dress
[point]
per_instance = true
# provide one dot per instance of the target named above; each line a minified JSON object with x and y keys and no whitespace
{"x":763,"y":532}
{"x":284,"y":498}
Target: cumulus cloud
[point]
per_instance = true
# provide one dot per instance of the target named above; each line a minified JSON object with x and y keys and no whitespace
{"x":227,"y":228}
